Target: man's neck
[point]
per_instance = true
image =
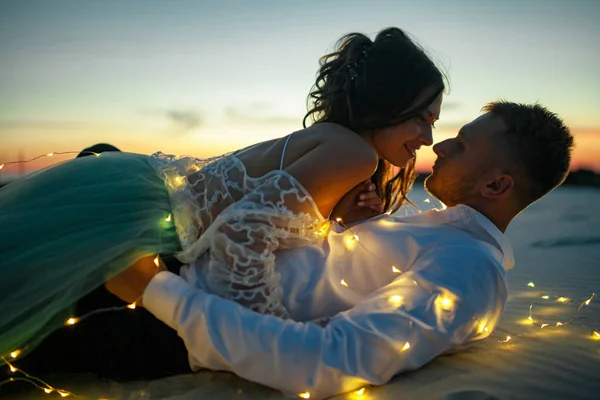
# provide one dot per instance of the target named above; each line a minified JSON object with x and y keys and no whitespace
{"x":498,"y":215}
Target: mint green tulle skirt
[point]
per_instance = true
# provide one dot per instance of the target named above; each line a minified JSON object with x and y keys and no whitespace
{"x":66,"y":230}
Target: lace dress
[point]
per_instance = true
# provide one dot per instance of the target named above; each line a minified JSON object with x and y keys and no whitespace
{"x":240,"y":220}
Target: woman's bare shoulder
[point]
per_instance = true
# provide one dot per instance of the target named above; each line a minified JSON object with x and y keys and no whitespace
{"x":343,"y":139}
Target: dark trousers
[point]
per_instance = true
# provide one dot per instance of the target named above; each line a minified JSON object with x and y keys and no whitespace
{"x":118,"y":345}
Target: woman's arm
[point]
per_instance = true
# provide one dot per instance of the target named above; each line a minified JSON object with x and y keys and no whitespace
{"x":334,"y":167}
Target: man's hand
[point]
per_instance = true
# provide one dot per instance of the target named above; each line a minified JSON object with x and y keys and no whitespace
{"x":360,"y":203}
{"x":130,"y":284}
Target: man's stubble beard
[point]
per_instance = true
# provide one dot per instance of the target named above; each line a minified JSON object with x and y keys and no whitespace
{"x":450,"y":193}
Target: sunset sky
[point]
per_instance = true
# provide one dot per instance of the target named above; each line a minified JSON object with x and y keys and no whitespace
{"x":206,"y":77}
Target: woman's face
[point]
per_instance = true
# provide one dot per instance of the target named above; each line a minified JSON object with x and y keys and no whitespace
{"x":397,"y":144}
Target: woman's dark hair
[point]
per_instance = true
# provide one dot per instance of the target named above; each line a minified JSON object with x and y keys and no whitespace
{"x":367,"y":85}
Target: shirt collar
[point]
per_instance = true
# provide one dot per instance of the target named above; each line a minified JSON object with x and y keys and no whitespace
{"x":467,"y":218}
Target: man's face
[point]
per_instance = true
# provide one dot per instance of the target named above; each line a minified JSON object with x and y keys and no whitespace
{"x":464,"y":163}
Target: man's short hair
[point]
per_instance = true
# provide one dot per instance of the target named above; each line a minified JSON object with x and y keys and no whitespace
{"x":537,"y":145}
{"x":96,"y":149}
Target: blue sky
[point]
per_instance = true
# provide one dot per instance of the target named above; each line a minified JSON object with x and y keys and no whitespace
{"x":203,"y":77}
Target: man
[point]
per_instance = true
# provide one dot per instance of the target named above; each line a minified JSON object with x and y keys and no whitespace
{"x":452,"y":291}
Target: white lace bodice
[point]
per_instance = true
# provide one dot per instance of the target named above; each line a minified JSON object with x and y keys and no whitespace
{"x":241,"y":220}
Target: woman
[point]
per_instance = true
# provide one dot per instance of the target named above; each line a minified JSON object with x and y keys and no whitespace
{"x":82,"y":223}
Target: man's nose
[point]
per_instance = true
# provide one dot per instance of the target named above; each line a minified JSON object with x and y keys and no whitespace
{"x":439,"y":148}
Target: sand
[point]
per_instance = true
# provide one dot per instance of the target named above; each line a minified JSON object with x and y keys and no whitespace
{"x":557,"y":247}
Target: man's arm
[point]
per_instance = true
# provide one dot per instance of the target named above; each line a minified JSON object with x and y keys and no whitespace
{"x":439,"y":304}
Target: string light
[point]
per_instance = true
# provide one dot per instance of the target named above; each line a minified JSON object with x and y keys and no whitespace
{"x":443,"y":301}
{"x":396,"y":300}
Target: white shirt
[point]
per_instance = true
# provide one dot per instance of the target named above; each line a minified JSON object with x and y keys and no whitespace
{"x":413,"y":288}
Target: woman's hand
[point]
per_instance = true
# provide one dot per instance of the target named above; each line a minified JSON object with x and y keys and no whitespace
{"x":360,"y":203}
{"x":130,"y":284}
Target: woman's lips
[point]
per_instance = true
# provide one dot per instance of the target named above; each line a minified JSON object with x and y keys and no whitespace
{"x":410,"y":150}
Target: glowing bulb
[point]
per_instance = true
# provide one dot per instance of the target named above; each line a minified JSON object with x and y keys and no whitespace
{"x":48,"y":391}
{"x":397,"y":300}
{"x":338,"y":220}
{"x":531,"y":284}
{"x":444,"y":302}
{"x":543,"y":325}
{"x":596,"y":335}
{"x":131,"y":306}
{"x":563,"y":299}
{"x":406,"y":346}
{"x":507,"y":339}
{"x":63,"y":394}
{"x":156,"y":261}
{"x":426,"y":201}
{"x":527,"y":321}
{"x":545,"y":297}
{"x":356,"y":237}
{"x":168,"y":219}
{"x":396,"y":270}
{"x":481,"y":327}
{"x":72,"y":321}
{"x":389,"y":212}
{"x":13,"y":369}
{"x":50,"y":154}
{"x":15,"y":353}
{"x":343,"y":282}
{"x":1,"y":166}
{"x":485,"y":329}
{"x":360,"y":391}
{"x":559,"y":324}
{"x":304,"y":395}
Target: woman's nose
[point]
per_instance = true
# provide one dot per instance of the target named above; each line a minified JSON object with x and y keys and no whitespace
{"x":426,"y":136}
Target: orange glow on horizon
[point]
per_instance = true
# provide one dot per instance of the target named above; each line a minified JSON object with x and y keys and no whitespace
{"x":585,"y":156}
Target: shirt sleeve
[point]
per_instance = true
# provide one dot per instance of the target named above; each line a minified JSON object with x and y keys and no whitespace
{"x":444,"y":301}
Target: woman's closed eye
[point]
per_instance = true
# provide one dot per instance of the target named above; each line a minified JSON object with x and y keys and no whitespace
{"x":426,"y":121}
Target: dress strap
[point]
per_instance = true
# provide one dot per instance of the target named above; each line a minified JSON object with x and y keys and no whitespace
{"x":283,"y":152}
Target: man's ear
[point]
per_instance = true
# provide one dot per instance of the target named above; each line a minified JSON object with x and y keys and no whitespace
{"x":498,"y":186}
